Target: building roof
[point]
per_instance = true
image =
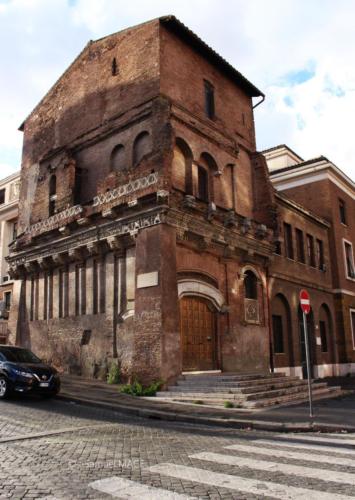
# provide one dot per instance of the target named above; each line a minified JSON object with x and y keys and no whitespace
{"x":282,"y":146}
{"x":178,"y":28}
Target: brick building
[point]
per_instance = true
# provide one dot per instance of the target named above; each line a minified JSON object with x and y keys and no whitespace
{"x":9,"y":194}
{"x":148,"y":222}
{"x":321,"y":186}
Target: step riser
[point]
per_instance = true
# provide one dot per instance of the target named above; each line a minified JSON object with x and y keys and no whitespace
{"x":235,"y":388}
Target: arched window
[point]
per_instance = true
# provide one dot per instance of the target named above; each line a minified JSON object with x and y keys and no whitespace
{"x":114,"y":67}
{"x":250,"y":285}
{"x":52,"y":194}
{"x":141,"y":147}
{"x":204,"y":181}
{"x":118,"y":158}
{"x":182,"y":166}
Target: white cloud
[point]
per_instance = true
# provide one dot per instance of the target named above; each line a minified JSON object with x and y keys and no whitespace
{"x":267,"y":41}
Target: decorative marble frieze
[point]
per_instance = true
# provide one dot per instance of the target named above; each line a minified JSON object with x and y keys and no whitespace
{"x":58,"y":220}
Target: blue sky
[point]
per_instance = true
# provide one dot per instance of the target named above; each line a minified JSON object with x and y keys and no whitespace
{"x":299,"y":53}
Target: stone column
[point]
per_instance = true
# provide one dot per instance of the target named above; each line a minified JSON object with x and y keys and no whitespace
{"x":72,"y":290}
{"x":157,"y":351}
{"x":109,"y":284}
{"x":40,"y":304}
{"x":56,"y":292}
{"x":89,"y":286}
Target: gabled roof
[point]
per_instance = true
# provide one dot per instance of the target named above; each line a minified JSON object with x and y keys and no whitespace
{"x":178,"y":28}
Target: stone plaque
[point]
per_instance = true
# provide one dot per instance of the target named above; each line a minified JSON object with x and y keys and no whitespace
{"x":147,"y":279}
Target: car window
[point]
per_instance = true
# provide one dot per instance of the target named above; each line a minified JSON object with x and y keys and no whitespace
{"x":19,"y":355}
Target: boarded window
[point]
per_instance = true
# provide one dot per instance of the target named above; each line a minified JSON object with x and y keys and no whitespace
{"x":118,"y":158}
{"x":141,"y":147}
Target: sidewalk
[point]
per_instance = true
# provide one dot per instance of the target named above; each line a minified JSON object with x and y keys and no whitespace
{"x":332,"y":415}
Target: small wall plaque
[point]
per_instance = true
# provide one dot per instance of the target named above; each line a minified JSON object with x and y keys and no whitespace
{"x":147,"y":280}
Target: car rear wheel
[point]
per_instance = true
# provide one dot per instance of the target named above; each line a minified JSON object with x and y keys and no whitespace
{"x":4,"y":388}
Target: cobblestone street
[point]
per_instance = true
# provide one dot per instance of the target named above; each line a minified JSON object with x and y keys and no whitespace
{"x":59,"y":450}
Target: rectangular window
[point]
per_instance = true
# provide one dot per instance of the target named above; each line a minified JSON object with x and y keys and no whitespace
{"x":202,"y":187}
{"x":2,"y":196}
{"x":278,"y":334}
{"x":352,"y":321}
{"x":342,"y":211}
{"x":300,"y":246}
{"x":320,"y":254}
{"x":7,"y":297}
{"x":288,"y":241}
{"x":209,"y":100}
{"x":349,"y":260}
{"x":278,"y":247}
{"x":323,"y":336}
{"x":310,"y":251}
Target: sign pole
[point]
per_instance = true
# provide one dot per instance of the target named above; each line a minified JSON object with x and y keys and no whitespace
{"x":308,"y":362}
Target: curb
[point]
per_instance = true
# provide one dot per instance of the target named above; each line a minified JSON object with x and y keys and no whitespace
{"x":211,"y":421}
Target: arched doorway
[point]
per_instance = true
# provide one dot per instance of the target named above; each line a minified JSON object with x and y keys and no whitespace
{"x":198,"y":333}
{"x":326,"y":332}
{"x":310,"y":330}
{"x":282,"y":342}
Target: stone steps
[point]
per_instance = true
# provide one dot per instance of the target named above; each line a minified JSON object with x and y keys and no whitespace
{"x":251,"y":386}
{"x":250,"y":391}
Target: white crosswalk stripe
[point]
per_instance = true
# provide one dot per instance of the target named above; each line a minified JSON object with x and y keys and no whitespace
{"x":242,"y":484}
{"x":269,"y":466}
{"x":119,"y":487}
{"x":318,"y":439}
{"x":293,"y":455}
{"x":319,"y":447}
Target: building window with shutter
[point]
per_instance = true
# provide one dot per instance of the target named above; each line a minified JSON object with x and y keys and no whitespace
{"x":349,"y":260}
{"x":300,"y":246}
{"x":310,"y":251}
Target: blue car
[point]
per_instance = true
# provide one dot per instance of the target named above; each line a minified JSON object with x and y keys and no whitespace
{"x":22,"y":371}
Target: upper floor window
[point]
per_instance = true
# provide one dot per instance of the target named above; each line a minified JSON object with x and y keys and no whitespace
{"x":7,"y":299}
{"x":52,"y":194}
{"x":209,"y":100}
{"x":250,"y":285}
{"x":352,"y":322}
{"x":320,"y":254}
{"x":288,"y":240}
{"x":310,"y":251}
{"x":349,"y":260}
{"x":342,"y":211}
{"x":202,"y":183}
{"x":14,"y":231}
{"x":114,"y":67}
{"x":118,"y":158}
{"x":2,"y":196}
{"x":300,"y":246}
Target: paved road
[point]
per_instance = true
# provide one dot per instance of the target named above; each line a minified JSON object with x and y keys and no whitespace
{"x":57,"y":450}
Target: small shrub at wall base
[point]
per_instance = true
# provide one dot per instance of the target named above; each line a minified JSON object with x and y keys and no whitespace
{"x":137,"y":389}
{"x":228,"y":404}
{"x":114,"y":375}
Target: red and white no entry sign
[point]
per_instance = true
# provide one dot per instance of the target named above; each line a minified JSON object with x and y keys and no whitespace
{"x":305,"y":301}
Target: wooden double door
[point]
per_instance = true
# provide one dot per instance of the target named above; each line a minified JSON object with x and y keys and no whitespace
{"x":198,"y":334}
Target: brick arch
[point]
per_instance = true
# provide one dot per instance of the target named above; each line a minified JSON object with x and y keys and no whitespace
{"x":182,"y":166}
